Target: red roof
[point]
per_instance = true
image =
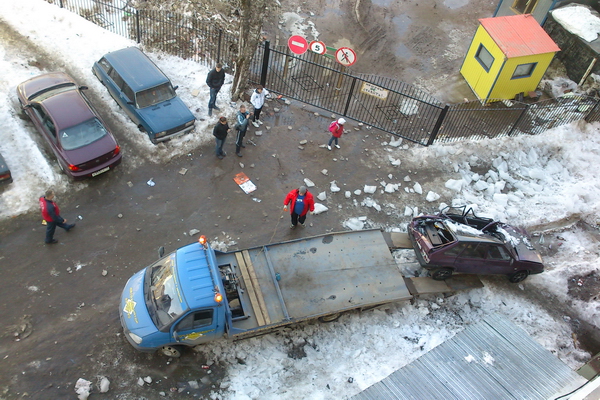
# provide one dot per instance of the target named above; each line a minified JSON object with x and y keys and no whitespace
{"x":519,"y":35}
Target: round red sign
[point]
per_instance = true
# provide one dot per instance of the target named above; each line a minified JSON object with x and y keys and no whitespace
{"x":297,"y":44}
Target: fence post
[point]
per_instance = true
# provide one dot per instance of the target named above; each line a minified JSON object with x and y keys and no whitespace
{"x":219,"y":45}
{"x":518,"y":120}
{"x":438,"y":125}
{"x":350,"y":96}
{"x":137,"y":26}
{"x":61,"y":4}
{"x":265,"y":64}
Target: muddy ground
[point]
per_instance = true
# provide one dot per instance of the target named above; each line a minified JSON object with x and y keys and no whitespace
{"x":60,"y":302}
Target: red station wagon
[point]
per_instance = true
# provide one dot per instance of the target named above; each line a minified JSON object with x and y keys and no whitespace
{"x":65,"y":118}
{"x":451,"y":242}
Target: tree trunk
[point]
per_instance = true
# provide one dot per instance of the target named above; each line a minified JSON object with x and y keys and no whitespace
{"x":251,"y":18}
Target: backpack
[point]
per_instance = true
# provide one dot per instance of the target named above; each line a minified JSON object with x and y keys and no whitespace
{"x":332,"y":126}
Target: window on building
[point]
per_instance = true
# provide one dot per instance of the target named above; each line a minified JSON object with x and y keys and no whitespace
{"x":523,"y":71}
{"x":524,"y":6}
{"x":484,"y":57}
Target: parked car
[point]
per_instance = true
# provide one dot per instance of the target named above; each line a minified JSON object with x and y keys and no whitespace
{"x":463,"y":242}
{"x":58,"y":108}
{"x":145,"y":93}
{"x":5,"y":175}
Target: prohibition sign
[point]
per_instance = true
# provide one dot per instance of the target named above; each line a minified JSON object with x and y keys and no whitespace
{"x":345,"y":56}
{"x":317,"y":47}
{"x":297,"y":44}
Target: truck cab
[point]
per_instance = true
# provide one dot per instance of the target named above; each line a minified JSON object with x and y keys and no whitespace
{"x":178,"y":300}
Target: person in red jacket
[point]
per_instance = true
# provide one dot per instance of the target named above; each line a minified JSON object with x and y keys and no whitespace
{"x":51,"y":214}
{"x":337,"y":129}
{"x":301,"y":202}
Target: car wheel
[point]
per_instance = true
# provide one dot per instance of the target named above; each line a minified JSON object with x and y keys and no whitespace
{"x":330,"y":318}
{"x":171,"y":351}
{"x":141,"y":128}
{"x":441,"y":274}
{"x":518,"y":276}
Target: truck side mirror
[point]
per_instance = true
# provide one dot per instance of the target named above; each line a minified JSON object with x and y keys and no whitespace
{"x":175,"y":87}
{"x":161,"y":251}
{"x":176,"y":336}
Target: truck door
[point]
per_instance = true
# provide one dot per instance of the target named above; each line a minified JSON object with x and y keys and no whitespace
{"x":197,"y":327}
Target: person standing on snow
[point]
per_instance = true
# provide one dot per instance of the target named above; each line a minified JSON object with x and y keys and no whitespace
{"x":337,"y":129}
{"x":301,"y":202}
{"x":215,"y":80}
{"x":258,"y":100}
{"x":241,"y":126}
{"x":51,"y":214}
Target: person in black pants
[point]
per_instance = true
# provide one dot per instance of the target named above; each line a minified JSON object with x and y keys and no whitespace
{"x":51,"y":214}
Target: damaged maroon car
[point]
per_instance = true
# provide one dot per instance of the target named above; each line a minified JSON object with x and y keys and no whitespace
{"x":462,"y":242}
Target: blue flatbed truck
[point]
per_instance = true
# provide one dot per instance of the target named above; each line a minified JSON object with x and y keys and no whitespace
{"x":197,"y":294}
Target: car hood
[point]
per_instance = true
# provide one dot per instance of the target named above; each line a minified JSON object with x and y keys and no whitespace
{"x":521,"y":243}
{"x":91,"y":151}
{"x":135,"y":317}
{"x":166,"y":115}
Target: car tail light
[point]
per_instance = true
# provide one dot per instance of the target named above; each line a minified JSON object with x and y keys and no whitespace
{"x":117,"y":150}
{"x":4,"y":176}
{"x":74,"y":168}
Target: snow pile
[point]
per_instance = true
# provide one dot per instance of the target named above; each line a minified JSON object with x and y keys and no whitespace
{"x":579,"y":20}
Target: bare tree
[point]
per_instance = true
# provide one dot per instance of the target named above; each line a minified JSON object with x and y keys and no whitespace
{"x":252,"y":15}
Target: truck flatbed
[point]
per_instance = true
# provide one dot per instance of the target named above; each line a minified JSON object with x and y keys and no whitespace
{"x":316,"y":276}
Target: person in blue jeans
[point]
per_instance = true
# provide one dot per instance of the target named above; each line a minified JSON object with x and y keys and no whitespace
{"x":220,"y":132}
{"x":215,"y":80}
{"x":241,"y":126}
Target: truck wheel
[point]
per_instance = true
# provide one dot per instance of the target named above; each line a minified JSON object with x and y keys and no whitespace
{"x":330,"y":317}
{"x":441,"y":274}
{"x":170,"y":351}
{"x":518,"y":276}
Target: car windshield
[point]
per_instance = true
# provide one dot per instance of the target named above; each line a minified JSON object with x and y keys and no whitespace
{"x":82,"y":134}
{"x":163,"y":298}
{"x":155,"y":95}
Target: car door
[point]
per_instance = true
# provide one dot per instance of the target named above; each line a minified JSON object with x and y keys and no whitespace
{"x":116,"y":88}
{"x":498,"y":260}
{"x":470,"y":259}
{"x":198,"y":326}
{"x":46,"y":127}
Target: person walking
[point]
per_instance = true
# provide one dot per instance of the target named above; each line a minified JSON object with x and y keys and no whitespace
{"x":220,"y":132}
{"x":337,"y":129}
{"x":214,"y":80}
{"x":301,"y":202}
{"x":258,"y":100}
{"x":51,"y":214}
{"x":241,"y":126}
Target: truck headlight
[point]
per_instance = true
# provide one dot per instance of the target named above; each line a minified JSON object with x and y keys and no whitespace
{"x":135,"y":338}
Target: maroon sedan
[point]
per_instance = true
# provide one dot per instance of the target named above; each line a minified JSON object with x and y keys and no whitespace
{"x":63,"y":115}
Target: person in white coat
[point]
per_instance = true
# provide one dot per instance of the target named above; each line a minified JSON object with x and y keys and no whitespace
{"x":258,"y":100}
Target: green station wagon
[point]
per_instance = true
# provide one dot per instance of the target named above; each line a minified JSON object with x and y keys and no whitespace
{"x":145,"y":93}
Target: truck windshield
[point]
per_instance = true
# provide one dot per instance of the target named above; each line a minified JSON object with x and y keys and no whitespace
{"x":163,"y":296}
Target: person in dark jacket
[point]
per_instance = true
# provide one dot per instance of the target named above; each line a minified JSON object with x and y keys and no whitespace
{"x":51,"y":214}
{"x":220,"y":133}
{"x":301,"y":202}
{"x":215,"y":80}
{"x":241,"y":126}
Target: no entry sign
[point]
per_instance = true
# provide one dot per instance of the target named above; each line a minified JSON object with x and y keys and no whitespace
{"x":297,"y":44}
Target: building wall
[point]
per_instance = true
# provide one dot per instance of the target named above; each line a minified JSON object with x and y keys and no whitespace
{"x":507,"y":88}
{"x":480,"y":80}
{"x":539,"y":12}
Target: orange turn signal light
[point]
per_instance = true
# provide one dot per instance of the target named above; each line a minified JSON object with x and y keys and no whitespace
{"x":218,"y":297}
{"x":202,"y":240}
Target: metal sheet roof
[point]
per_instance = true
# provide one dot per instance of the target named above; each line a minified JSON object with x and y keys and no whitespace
{"x":492,"y":359}
{"x":519,"y":35}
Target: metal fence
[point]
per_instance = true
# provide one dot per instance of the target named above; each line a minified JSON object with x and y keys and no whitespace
{"x":186,"y":36}
{"x":403,"y":110}
{"x":389,"y":105}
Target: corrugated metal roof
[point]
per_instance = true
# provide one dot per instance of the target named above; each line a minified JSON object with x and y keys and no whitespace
{"x":492,"y":359}
{"x":519,"y":35}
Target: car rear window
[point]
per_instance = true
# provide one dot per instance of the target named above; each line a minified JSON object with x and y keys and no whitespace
{"x":155,"y":95}
{"x":82,"y":134}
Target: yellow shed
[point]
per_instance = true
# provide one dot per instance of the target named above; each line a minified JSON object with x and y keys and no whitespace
{"x":509,"y":55}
